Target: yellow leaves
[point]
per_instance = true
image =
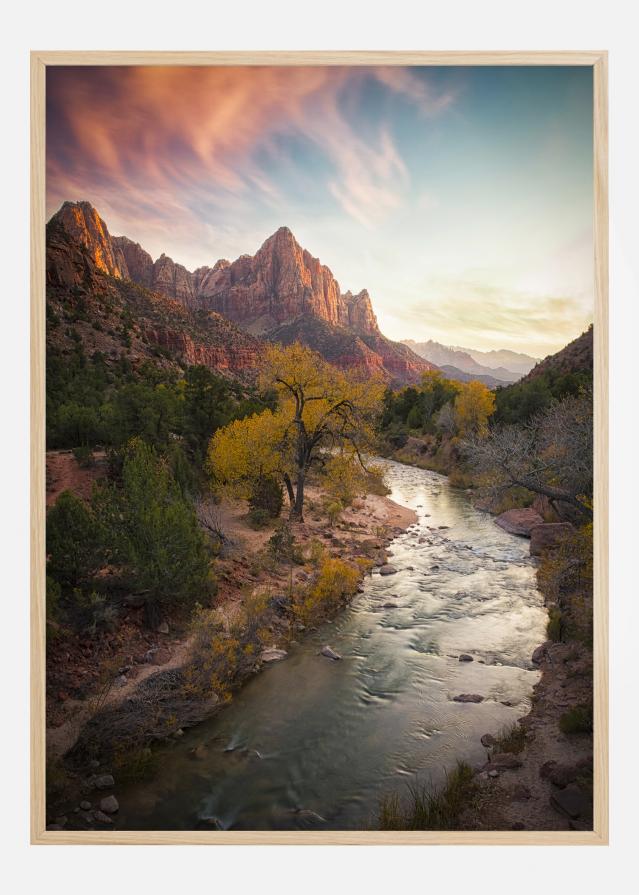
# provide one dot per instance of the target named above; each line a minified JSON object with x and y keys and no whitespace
{"x":474,"y":404}
{"x":247,"y":449}
{"x":335,"y":581}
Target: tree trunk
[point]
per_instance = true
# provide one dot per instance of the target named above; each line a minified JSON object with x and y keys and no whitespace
{"x":289,"y":488}
{"x":297,"y":509}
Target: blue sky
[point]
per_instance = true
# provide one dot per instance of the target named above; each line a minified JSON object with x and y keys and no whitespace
{"x":461,"y":198}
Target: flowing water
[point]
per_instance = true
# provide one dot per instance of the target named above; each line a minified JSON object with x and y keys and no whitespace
{"x":309,"y":736}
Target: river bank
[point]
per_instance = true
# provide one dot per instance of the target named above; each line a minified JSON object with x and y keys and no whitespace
{"x":158,"y":683}
{"x":347,"y":731}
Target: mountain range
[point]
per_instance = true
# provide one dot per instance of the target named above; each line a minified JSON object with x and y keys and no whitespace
{"x":510,"y":365}
{"x":282,"y":293}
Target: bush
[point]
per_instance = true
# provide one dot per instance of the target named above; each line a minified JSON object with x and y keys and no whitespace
{"x":54,"y":594}
{"x":554,"y":626}
{"x":74,"y":546}
{"x":577,"y":720}
{"x":83,"y":456}
{"x":266,"y":497}
{"x":334,"y":582}
{"x":258,"y":517}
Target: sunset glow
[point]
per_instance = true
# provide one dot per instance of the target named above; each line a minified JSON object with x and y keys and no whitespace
{"x":461,"y":198}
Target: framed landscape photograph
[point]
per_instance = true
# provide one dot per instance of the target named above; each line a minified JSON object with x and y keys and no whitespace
{"x":319,"y":448}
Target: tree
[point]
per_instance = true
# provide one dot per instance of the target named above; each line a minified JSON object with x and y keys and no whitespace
{"x":74,"y":544}
{"x":320,"y":409}
{"x":207,"y":406}
{"x":473,"y":406}
{"x":550,"y":455}
{"x":154,"y":531}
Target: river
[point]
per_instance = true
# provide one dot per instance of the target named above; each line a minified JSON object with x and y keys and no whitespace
{"x":309,"y":736}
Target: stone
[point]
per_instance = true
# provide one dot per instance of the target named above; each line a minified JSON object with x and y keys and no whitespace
{"x":272,"y":654}
{"x":519,"y":521}
{"x":465,"y":658}
{"x":571,"y":802}
{"x":561,"y":775}
{"x":387,"y":569}
{"x":104,"y":781}
{"x":539,"y":654}
{"x":102,"y":818}
{"x":468,"y":697}
{"x":548,"y":535}
{"x":390,"y":605}
{"x":502,"y":761}
{"x":109,"y":805}
{"x":329,"y":653}
{"x":163,"y":628}
{"x":488,"y":740}
{"x":85,"y":806}
{"x":493,"y":773}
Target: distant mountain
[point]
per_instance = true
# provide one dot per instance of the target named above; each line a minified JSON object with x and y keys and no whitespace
{"x":462,"y":360}
{"x":279,"y":294}
{"x":513,"y":361}
{"x":461,"y":376}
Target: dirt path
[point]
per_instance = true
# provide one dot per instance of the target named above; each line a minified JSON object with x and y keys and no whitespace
{"x":63,"y":473}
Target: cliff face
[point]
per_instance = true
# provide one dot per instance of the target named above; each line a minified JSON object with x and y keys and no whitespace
{"x":280,"y":290}
{"x":84,"y":225}
{"x":118,"y":318}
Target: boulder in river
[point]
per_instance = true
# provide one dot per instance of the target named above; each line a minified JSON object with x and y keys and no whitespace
{"x":465,"y":658}
{"x":272,"y":654}
{"x":387,"y":569}
{"x":519,"y":521}
{"x":548,"y":535}
{"x":488,"y":740}
{"x":468,"y":697}
{"x":330,"y":653}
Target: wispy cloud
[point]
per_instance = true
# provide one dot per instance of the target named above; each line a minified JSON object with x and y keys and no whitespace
{"x":151,"y":138}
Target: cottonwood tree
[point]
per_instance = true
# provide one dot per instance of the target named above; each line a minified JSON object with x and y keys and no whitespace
{"x":473,"y":407}
{"x":321,"y":409}
{"x":551,"y":455}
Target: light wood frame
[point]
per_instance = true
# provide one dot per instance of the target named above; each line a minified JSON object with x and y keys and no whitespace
{"x":598,"y":60}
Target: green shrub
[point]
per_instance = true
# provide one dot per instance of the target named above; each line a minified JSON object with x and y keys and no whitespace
{"x":577,"y":720}
{"x":74,"y":545}
{"x":266,"y":497}
{"x":554,"y":626}
{"x":83,"y":456}
{"x":258,"y":517}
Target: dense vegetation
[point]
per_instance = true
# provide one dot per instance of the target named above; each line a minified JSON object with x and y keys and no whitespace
{"x":139,"y":532}
{"x":521,"y":401}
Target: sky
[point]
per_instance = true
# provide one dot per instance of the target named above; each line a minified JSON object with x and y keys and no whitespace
{"x":460,"y":197}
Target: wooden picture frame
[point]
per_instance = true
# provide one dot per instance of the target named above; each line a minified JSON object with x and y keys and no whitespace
{"x":597,"y":60}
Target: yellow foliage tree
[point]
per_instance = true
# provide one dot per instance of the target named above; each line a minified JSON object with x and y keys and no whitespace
{"x":474,"y":405}
{"x":320,"y":408}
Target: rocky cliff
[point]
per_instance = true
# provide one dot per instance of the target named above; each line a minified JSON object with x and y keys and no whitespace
{"x":281,"y":293}
{"x":102,"y":311}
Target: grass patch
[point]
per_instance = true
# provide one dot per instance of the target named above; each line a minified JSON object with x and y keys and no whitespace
{"x":577,"y":720}
{"x":555,"y":625}
{"x":429,"y":811}
{"x":511,"y":739}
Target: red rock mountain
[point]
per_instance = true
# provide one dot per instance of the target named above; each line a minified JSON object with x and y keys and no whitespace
{"x":281,"y":293}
